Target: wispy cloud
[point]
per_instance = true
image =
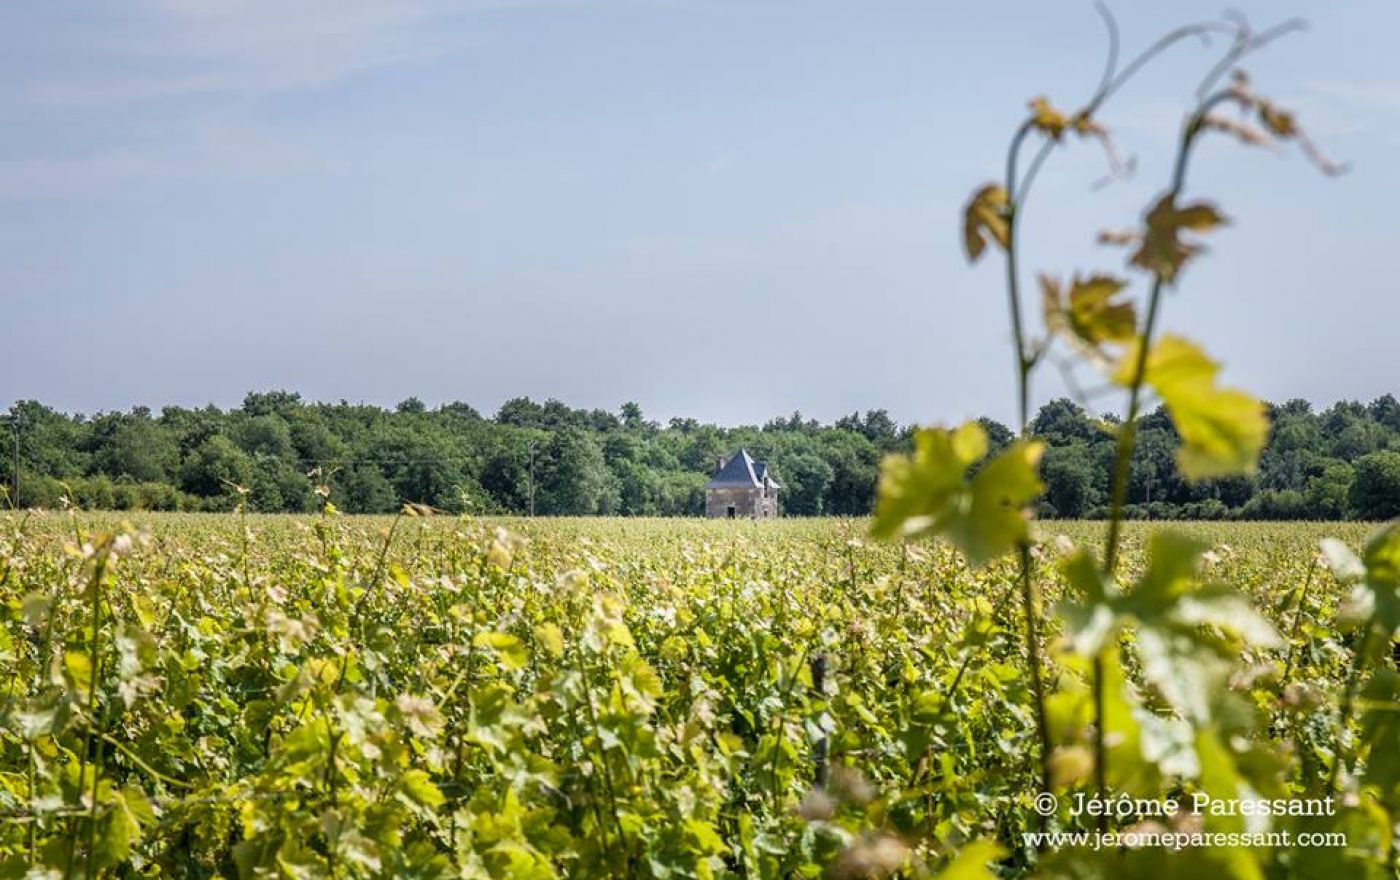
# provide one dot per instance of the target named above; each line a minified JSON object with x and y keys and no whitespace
{"x":239,"y":47}
{"x":217,"y":144}
{"x":170,"y":89}
{"x":170,"y":48}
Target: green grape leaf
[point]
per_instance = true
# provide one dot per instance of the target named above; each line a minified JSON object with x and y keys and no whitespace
{"x":1222,"y":607}
{"x":914,"y":488}
{"x":1089,"y":623}
{"x":121,"y":828}
{"x":930,"y":493}
{"x":1171,"y":564}
{"x":1381,"y":556}
{"x":551,"y":638}
{"x":420,"y":788}
{"x":1088,"y":315}
{"x":1221,"y":779}
{"x":77,"y":673}
{"x":972,"y":860}
{"x":1380,"y":726}
{"x":509,"y":650}
{"x":996,"y":520}
{"x":1222,"y":430}
{"x":1174,"y":616}
{"x":420,"y":715}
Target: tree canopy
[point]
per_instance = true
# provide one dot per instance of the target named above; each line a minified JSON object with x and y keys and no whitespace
{"x":275,"y":449}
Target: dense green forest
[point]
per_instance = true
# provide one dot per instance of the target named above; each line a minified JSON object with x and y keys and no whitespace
{"x":1341,"y":463}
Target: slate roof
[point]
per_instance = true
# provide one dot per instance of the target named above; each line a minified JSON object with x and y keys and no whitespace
{"x":742,"y":472}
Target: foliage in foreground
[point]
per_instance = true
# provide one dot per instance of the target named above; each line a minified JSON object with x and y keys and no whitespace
{"x":1155,"y":700}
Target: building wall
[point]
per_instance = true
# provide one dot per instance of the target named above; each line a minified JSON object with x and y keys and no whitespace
{"x":746,"y":503}
{"x":768,"y":507}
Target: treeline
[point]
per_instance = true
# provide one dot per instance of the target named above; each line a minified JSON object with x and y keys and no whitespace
{"x":276,"y":450}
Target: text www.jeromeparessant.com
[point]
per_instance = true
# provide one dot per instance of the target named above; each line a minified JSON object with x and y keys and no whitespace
{"x":1179,"y":840}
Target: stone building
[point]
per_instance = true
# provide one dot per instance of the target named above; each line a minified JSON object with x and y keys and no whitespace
{"x":739,"y":487}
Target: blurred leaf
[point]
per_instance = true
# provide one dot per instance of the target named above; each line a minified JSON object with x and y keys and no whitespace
{"x":1162,"y":251}
{"x":1342,"y":562}
{"x":121,"y":828}
{"x":929,"y":492}
{"x":971,"y":862}
{"x":1222,"y":430}
{"x":420,"y":788}
{"x":551,"y":638}
{"x":1049,"y":121}
{"x":1381,"y":556}
{"x":1380,"y":725}
{"x":1172,"y":561}
{"x":1277,"y":120}
{"x":996,"y":520}
{"x":985,"y":217}
{"x":915,"y":488}
{"x":1381,"y":588}
{"x":509,"y":650}
{"x":1089,"y":316}
{"x":77,"y":673}
{"x":1171,"y":614}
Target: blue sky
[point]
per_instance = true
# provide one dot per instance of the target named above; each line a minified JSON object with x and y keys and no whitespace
{"x":727,"y":210}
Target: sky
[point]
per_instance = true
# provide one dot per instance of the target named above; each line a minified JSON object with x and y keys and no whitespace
{"x":719,"y":210}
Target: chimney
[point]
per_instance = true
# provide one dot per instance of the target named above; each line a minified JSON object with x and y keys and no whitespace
{"x":720,"y":463}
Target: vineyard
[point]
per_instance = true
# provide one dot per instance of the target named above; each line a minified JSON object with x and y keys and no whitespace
{"x":427,"y":696}
{"x":955,"y":687}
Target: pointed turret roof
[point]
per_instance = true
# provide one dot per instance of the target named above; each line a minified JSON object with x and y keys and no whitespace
{"x":741,"y":471}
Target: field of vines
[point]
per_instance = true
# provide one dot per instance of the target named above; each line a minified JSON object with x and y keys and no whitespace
{"x":428,"y":696}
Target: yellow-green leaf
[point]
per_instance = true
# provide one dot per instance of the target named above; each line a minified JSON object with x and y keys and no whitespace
{"x":127,"y":812}
{"x":915,"y":487}
{"x":1172,"y":560}
{"x":1047,"y":119}
{"x":996,"y":519}
{"x":1088,"y":315}
{"x":420,"y":788}
{"x":1381,"y":556}
{"x":1222,"y":430}
{"x":930,"y":492}
{"x":984,"y":218}
{"x":77,"y":669}
{"x":419,"y":713}
{"x":1277,"y":120}
{"x":1163,"y":252}
{"x":971,"y":863}
{"x":551,"y":638}
{"x":508,"y":649}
